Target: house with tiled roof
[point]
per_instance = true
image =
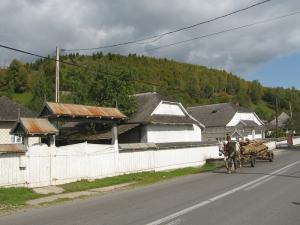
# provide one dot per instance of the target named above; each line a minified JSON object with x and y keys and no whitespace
{"x":10,"y":112}
{"x":221,"y":119}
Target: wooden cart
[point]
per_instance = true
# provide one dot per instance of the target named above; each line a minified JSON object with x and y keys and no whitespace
{"x":252,"y":150}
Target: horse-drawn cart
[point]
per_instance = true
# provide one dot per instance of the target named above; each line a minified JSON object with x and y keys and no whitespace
{"x":237,"y":154}
{"x":252,"y":150}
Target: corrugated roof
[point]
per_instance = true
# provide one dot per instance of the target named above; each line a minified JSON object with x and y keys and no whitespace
{"x":74,"y":110}
{"x":12,"y":148}
{"x":216,"y":114}
{"x":9,"y":110}
{"x":34,"y":126}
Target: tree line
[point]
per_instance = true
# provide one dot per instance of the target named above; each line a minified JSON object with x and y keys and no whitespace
{"x":110,"y":80}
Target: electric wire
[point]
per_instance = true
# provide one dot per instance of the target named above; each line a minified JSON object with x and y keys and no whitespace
{"x":223,"y":31}
{"x":159,"y":36}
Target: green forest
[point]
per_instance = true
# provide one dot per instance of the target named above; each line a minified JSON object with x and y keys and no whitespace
{"x":110,"y":80}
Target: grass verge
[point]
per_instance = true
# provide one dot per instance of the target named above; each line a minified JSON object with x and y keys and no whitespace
{"x":142,"y":178}
{"x":11,"y":198}
{"x":14,"y":198}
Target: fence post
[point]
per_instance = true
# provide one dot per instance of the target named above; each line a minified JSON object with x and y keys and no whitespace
{"x":115,"y":142}
{"x":52,"y":155}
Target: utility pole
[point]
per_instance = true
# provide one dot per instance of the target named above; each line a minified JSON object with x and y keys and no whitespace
{"x":291,"y":112}
{"x":57,"y":76}
{"x":276,"y":117}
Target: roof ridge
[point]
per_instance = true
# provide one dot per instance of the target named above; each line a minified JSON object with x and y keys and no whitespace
{"x":83,"y":105}
{"x":209,"y":105}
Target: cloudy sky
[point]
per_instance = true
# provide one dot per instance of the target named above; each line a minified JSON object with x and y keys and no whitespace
{"x":269,"y":52}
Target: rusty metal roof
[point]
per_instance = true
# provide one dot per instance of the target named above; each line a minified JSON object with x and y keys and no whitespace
{"x":34,"y":126}
{"x":12,"y":148}
{"x":74,"y":110}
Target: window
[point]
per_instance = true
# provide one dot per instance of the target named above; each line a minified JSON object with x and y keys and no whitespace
{"x":18,"y":140}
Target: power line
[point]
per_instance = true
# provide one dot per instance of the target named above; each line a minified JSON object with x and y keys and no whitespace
{"x":68,"y":63}
{"x":80,"y":66}
{"x":172,"y":44}
{"x":159,"y":36}
{"x":37,"y":55}
{"x":223,"y":31}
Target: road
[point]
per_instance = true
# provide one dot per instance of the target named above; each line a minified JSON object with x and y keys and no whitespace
{"x":268,"y":194}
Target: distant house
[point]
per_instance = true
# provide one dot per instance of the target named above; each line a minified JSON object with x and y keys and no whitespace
{"x":283,"y":120}
{"x":158,"y":119}
{"x":220,"y":119}
{"x":10,"y":111}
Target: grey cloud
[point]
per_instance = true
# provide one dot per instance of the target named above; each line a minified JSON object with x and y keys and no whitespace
{"x":40,"y":25}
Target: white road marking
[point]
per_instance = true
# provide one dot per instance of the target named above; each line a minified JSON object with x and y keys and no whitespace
{"x":206,"y":202}
{"x":174,"y":222}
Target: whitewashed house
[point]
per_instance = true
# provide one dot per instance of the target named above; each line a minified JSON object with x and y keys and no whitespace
{"x":10,"y":111}
{"x":220,"y":119}
{"x":161,"y":120}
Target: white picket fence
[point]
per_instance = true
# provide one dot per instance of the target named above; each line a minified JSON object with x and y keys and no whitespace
{"x":43,"y":166}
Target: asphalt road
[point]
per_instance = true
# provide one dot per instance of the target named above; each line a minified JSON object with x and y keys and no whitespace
{"x":268,"y":194}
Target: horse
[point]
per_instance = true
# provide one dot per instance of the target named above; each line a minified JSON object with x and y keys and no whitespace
{"x":232,"y":157}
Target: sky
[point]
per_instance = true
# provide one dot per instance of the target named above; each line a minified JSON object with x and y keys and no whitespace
{"x":268,"y":52}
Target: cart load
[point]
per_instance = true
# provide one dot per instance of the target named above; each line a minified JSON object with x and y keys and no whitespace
{"x":257,"y":149}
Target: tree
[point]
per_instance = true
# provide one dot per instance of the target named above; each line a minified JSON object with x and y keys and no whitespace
{"x":255,"y":91}
{"x":16,"y":77}
{"x":114,"y":91}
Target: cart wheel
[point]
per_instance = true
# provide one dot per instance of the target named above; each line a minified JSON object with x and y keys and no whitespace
{"x":271,"y":156}
{"x":252,"y":161}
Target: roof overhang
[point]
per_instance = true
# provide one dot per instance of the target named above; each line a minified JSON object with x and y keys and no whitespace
{"x":33,"y":127}
{"x":75,"y":112}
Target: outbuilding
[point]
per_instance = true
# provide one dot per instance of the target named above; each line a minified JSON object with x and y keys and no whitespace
{"x":33,"y":129}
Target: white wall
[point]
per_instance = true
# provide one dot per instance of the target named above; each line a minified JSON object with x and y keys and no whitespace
{"x":296,"y":141}
{"x":180,"y":158}
{"x":173,"y":133}
{"x":43,"y":166}
{"x":256,"y":136}
{"x":243,"y":116}
{"x":5,"y":137}
{"x":168,"y":108}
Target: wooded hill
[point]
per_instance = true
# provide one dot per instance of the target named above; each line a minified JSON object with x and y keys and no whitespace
{"x":108,"y":80}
